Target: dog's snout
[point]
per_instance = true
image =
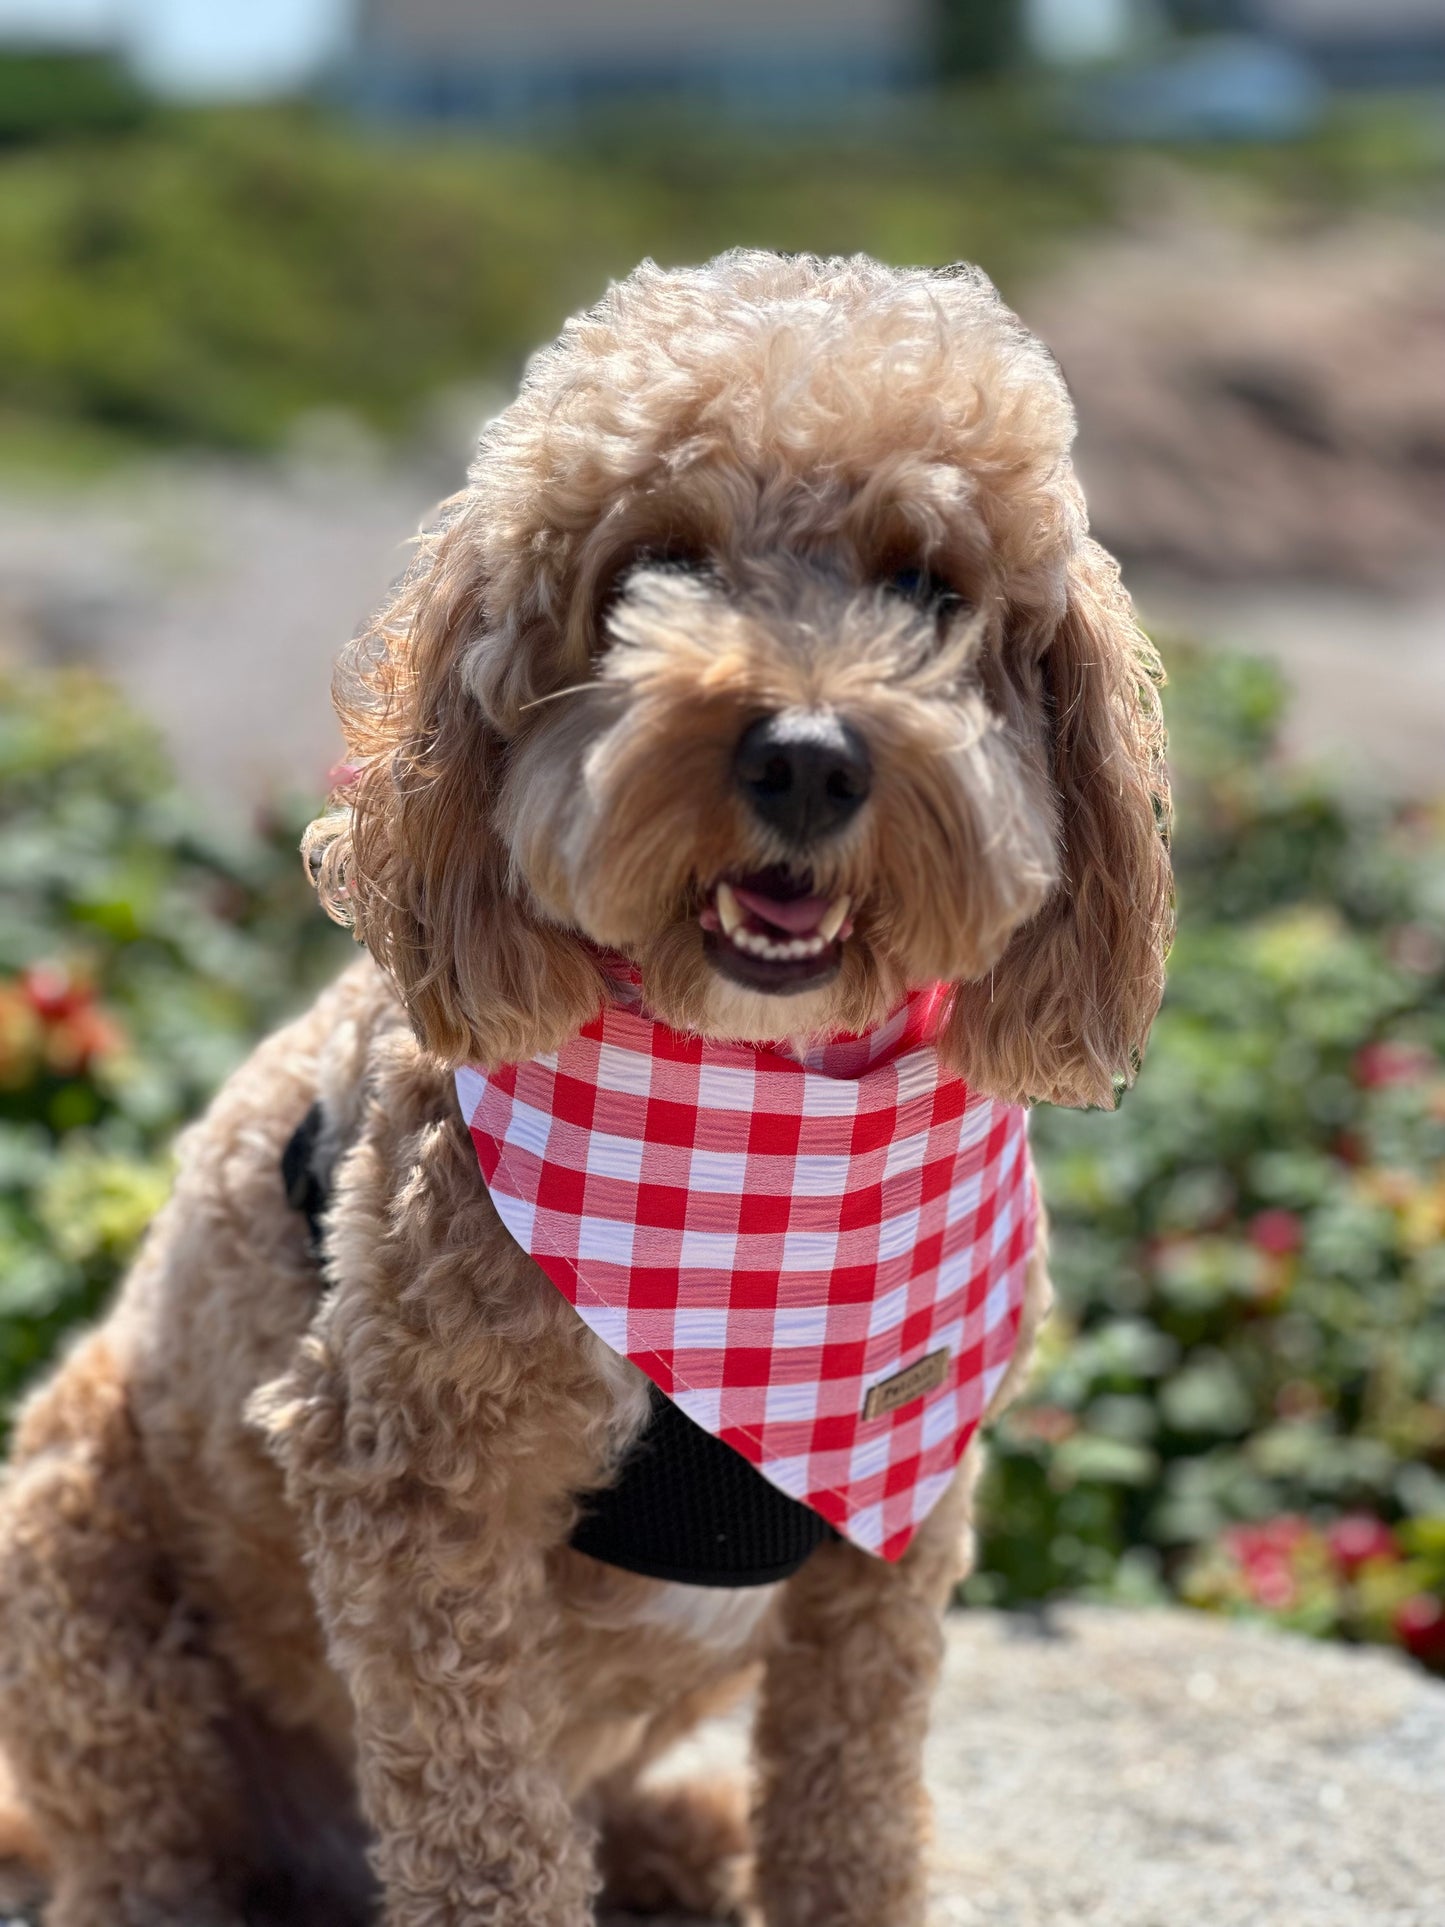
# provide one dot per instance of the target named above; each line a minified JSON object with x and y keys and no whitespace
{"x":804,"y":772}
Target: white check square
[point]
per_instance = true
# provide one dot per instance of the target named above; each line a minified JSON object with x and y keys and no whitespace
{"x":790,"y":1404}
{"x":624,"y":1071}
{"x":610,"y":1156}
{"x":605,"y":1239}
{"x":821,"y":1176}
{"x":897,"y":1236}
{"x":796,"y":1327}
{"x":699,"y":1327}
{"x":529,"y":1129}
{"x":708,"y":1250}
{"x":725,"y":1087}
{"x":725,"y":1171}
{"x":808,"y":1250}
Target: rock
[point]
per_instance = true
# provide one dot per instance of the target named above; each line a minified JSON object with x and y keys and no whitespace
{"x":1098,"y":1768}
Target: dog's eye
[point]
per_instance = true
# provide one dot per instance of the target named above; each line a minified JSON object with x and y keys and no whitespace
{"x":671,"y":557}
{"x":677,"y":558}
{"x":929,"y":591}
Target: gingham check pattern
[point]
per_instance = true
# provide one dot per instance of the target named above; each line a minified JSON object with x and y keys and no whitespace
{"x":769,"y":1237}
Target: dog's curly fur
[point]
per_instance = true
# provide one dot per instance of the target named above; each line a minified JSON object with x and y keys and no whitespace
{"x":283,"y":1562}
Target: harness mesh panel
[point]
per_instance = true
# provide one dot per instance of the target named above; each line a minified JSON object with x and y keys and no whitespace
{"x":687,"y":1507}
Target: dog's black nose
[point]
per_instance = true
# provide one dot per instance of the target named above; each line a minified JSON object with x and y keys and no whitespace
{"x":805,"y":772}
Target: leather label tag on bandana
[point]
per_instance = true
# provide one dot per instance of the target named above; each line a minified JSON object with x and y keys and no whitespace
{"x":905,"y":1386}
{"x":820,"y":1258}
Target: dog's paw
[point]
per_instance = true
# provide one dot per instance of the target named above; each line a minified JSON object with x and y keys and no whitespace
{"x":680,"y":1850}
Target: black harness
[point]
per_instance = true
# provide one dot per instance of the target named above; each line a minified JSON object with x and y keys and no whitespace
{"x":683,"y":1506}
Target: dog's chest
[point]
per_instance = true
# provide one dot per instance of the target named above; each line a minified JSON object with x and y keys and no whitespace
{"x":722,"y":1619}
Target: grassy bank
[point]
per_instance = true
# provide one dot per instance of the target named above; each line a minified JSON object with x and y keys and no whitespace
{"x":206,"y":277}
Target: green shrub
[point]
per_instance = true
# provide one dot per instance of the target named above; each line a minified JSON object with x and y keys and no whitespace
{"x":48,"y":95}
{"x":140,"y":955}
{"x":213,"y":274}
{"x":1250,"y":1254}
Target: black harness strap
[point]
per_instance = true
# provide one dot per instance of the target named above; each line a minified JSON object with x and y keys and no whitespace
{"x":305,"y":1191}
{"x":684,"y":1506}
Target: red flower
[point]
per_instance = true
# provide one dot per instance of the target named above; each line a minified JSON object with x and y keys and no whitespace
{"x":1383,"y":1064}
{"x":1271,"y":1583}
{"x":1265,"y":1554}
{"x":53,"y":993}
{"x":1420,"y":1626}
{"x":1277,"y":1233}
{"x":1272,"y":1539}
{"x":75,"y":1030}
{"x":1356,"y":1539}
{"x":73,"y":1045}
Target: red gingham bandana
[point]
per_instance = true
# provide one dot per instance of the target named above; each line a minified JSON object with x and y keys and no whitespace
{"x":819,"y":1259}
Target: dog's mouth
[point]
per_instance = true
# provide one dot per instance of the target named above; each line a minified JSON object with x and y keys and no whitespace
{"x":771,"y":931}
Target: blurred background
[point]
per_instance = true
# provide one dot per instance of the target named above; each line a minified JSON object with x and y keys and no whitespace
{"x":264,"y":271}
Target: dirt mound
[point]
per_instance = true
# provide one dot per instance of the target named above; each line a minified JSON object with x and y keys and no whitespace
{"x":1256,"y":406}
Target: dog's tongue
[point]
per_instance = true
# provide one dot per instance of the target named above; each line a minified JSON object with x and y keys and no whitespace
{"x":799,"y":916}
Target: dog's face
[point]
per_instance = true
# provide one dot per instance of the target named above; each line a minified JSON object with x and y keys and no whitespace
{"x":767,"y":647}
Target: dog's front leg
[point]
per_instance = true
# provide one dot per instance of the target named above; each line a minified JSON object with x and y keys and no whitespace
{"x":842,"y":1815}
{"x":446,"y":1657}
{"x":440,"y":1413}
{"x":436,"y":1614}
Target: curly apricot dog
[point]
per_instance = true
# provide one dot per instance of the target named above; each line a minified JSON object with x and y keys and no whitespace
{"x":290,"y":1623}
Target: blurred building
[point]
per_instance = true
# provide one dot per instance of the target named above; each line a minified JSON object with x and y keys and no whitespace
{"x":1231,"y":70}
{"x":1347,"y":42}
{"x":495,"y":59}
{"x":1362,"y":42}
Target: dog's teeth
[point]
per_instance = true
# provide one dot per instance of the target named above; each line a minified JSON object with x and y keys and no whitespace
{"x":834,"y":918}
{"x":793,"y":951}
{"x":729,"y":909}
{"x":733,"y":922}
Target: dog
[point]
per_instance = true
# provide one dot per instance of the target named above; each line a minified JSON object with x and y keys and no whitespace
{"x":773,"y":587}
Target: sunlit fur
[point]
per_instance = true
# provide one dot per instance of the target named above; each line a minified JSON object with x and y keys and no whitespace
{"x":686,"y":521}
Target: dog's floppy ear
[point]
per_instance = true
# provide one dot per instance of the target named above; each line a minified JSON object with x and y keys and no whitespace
{"x":1068,"y":1008}
{"x":407,"y":854}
